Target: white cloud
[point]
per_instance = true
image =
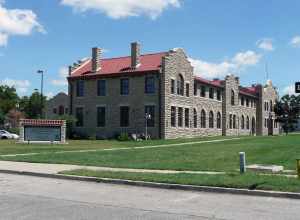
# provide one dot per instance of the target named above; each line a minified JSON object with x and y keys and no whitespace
{"x":117,"y":9}
{"x":295,"y":41}
{"x":20,"y":85}
{"x":265,"y":44}
{"x":50,"y":95}
{"x":17,"y":22}
{"x":289,"y":90}
{"x":62,"y":75}
{"x":213,"y":70}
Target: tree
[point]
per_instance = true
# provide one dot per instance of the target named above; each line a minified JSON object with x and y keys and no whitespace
{"x":287,"y":111}
{"x":13,"y":118}
{"x":8,"y":98}
{"x":32,"y":105}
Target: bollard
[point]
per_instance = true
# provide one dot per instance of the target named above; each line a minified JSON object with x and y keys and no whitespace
{"x":242,"y":162}
{"x":298,"y":167}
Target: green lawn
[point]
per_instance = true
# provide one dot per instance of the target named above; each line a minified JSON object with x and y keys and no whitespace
{"x":11,"y":147}
{"x":222,"y":156}
{"x":247,"y":181}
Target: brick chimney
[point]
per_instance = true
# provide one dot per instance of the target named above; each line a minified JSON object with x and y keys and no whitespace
{"x":96,"y":59}
{"x":135,"y":54}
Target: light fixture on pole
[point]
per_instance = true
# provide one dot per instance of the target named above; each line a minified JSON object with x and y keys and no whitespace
{"x":147,"y":117}
{"x":42,"y":85}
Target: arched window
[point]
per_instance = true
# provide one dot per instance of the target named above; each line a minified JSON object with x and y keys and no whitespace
{"x":219,"y":120}
{"x":232,"y":97}
{"x":248,"y":123}
{"x":211,"y":119}
{"x":243,"y":122}
{"x":180,"y":85}
{"x":195,"y":118}
{"x":234,"y":121}
{"x":203,"y":119}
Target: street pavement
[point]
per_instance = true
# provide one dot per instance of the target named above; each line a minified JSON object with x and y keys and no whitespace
{"x":28,"y":197}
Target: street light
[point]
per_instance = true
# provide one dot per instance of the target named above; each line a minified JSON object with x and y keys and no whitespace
{"x":42,"y":85}
{"x":147,"y":117}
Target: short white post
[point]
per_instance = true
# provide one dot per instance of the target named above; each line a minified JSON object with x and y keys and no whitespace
{"x":242,"y":162}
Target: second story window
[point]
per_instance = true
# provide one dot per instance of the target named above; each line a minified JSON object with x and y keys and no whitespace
{"x":180,"y":85}
{"x":101,"y":87}
{"x":195,"y":88}
{"x":150,"y":85}
{"x":203,"y":91}
{"x":219,"y":95}
{"x":242,"y":101}
{"x":232,"y":97}
{"x":80,"y":88}
{"x":247,"y":102}
{"x":211,"y":93}
{"x":124,"y":86}
{"x":172,"y":86}
{"x":187,"y":89}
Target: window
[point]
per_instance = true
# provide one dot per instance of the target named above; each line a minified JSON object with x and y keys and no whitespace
{"x":173,"y":116}
{"x":101,"y":87}
{"x":247,"y":102}
{"x":267,"y":106}
{"x":271,"y":105}
{"x":80,"y":88}
{"x":124,"y":116}
{"x":230,"y":121}
{"x":195,"y":88}
{"x":243,"y":122}
{"x":211,"y":93}
{"x":248,"y":123}
{"x":203,"y":119}
{"x":232,"y":97}
{"x":61,"y":110}
{"x":180,"y":117}
{"x":54,"y":111}
{"x":219,"y":120}
{"x":203,"y":90}
{"x":150,"y":109}
{"x":195,"y":118}
{"x":124,"y":85}
{"x":187,"y":89}
{"x":242,"y":101}
{"x":180,"y":85}
{"x":187,"y":117}
{"x":211,"y":119}
{"x":251,"y":103}
{"x":266,"y":122}
{"x":234,"y":122}
{"x":219,"y":95}
{"x":172,"y":86}
{"x":101,"y":116}
{"x":150,"y":85}
{"x":79,"y":117}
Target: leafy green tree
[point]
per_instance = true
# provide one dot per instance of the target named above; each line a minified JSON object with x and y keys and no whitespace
{"x":32,"y":106}
{"x":2,"y":117}
{"x":287,"y":111}
{"x":8,"y":98}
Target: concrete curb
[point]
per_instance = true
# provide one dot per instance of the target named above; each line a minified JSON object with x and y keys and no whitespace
{"x":275,"y":194}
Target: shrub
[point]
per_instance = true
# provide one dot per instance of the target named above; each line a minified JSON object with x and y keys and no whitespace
{"x":123,"y":137}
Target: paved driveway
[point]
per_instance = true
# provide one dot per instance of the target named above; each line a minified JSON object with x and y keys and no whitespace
{"x":26,"y":197}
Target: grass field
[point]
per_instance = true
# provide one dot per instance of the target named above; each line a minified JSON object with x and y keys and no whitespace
{"x":11,"y":147}
{"x":219,"y":156}
{"x":246,"y":181}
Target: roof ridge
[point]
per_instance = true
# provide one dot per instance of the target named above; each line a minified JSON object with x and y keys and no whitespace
{"x":146,"y":54}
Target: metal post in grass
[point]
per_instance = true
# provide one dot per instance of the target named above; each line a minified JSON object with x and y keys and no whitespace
{"x":298,"y":167}
{"x":242,"y":162}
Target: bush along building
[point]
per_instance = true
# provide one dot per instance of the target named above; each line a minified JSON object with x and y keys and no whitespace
{"x":112,"y":96}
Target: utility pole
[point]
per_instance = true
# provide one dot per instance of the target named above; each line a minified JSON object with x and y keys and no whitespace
{"x":42,"y":86}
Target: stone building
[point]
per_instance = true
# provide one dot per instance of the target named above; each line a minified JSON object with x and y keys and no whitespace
{"x":110,"y":96}
{"x":57,"y":106}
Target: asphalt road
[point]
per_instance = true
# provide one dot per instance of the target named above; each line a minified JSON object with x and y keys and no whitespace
{"x":25,"y":197}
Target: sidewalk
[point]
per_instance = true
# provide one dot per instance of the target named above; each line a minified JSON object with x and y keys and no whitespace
{"x":41,"y":168}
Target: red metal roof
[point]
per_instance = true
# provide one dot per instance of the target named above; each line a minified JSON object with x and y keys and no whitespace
{"x":248,"y":91}
{"x":115,"y":66}
{"x":41,"y":122}
{"x":215,"y":82}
